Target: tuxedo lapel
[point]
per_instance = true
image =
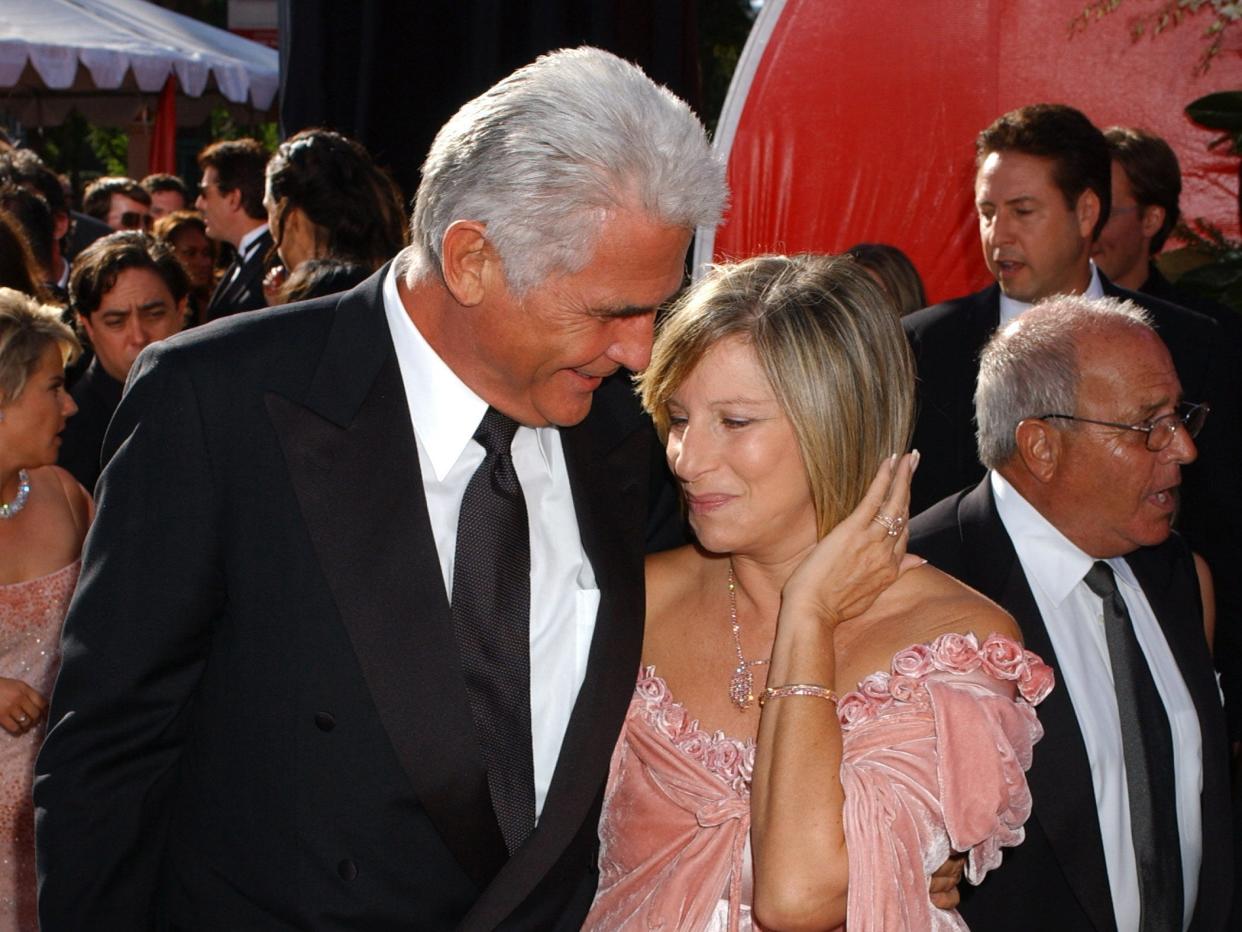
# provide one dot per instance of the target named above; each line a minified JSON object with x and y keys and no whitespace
{"x":605,"y":457}
{"x":1060,"y":777}
{"x":353,"y":462}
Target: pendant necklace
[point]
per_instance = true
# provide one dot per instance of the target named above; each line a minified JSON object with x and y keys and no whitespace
{"x":10,"y":509}
{"x":742,"y":683}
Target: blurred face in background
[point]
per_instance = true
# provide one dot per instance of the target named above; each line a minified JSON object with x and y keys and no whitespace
{"x":125,"y":213}
{"x":165,"y":202}
{"x":195,"y":251}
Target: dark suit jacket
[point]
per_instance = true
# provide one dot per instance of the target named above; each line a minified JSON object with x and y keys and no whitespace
{"x":947,"y":340}
{"x":245,"y":292}
{"x":96,"y":394}
{"x":261,"y":721}
{"x":1057,"y":878}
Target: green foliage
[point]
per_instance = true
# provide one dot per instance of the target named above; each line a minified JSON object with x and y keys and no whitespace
{"x":1166,"y":15}
{"x":111,"y":147}
{"x":224,"y":126}
{"x":723,"y":28}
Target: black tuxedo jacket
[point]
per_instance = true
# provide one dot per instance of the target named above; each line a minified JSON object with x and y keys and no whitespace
{"x":96,"y":394}
{"x":245,"y":292}
{"x":261,"y":721}
{"x":1057,"y":879}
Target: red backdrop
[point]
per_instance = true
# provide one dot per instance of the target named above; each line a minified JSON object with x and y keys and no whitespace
{"x":860,"y":118}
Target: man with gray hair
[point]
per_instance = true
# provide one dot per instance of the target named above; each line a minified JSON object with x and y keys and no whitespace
{"x":362,"y":665}
{"x":1084,"y":432}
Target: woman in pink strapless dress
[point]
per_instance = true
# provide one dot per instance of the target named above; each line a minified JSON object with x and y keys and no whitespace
{"x":44,"y":515}
{"x":804,"y":811}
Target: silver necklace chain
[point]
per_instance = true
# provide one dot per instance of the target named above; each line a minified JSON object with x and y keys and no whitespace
{"x":10,"y":509}
{"x":742,"y":683}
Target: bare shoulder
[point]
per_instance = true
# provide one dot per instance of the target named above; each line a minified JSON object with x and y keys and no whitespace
{"x":81,"y":505}
{"x":921,"y":605}
{"x":939,"y":604}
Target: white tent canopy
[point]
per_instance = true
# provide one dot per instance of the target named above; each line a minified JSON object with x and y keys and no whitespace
{"x":108,"y":58}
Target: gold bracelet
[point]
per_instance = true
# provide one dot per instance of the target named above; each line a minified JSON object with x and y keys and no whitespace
{"x":797,"y":689}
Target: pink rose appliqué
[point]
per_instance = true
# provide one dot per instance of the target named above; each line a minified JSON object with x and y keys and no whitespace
{"x":956,"y":653}
{"x":1037,"y":680}
{"x":914,"y":661}
{"x":1003,"y":657}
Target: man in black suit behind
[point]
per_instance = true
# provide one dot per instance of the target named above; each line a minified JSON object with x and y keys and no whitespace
{"x":231,"y":199}
{"x":1082,"y":424}
{"x":1043,"y":194}
{"x":264,"y":718}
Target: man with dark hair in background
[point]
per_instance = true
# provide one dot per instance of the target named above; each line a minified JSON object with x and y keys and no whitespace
{"x":127,"y":291}
{"x":168,"y":194}
{"x":1146,"y":189}
{"x":230,"y":196}
{"x":121,"y":203}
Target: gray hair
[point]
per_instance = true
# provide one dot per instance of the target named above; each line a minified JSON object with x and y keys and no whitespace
{"x":1030,"y":367}
{"x":545,"y":156}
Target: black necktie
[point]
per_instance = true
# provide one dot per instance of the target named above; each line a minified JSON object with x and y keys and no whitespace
{"x":1147,"y":744}
{"x":491,"y":616}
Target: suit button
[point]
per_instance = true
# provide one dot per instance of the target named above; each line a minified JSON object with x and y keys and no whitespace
{"x":325,"y":721}
{"x":347,"y":869}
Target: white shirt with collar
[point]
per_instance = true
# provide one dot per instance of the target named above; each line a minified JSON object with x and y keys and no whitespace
{"x":247,"y":245}
{"x":1074,"y":617}
{"x":1011,"y":308}
{"x":564,"y":597}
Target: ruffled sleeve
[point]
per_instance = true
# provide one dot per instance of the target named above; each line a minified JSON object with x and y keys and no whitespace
{"x":934,"y":760}
{"x":984,"y":743}
{"x":985,"y":737}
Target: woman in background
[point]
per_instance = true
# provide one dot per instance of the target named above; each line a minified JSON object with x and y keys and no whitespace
{"x":44,"y":515}
{"x":894,"y":272}
{"x":327,"y":200}
{"x":185,"y":232}
{"x":785,"y":389}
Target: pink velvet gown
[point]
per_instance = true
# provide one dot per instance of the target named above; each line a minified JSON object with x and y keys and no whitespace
{"x":934,"y":756}
{"x":31,"y":614}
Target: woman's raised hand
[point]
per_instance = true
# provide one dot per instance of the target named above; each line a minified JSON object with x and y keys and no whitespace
{"x":863,"y":555}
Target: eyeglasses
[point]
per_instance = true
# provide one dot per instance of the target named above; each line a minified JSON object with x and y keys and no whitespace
{"x":1160,"y":430}
{"x":133,"y":220}
{"x":205,"y":186}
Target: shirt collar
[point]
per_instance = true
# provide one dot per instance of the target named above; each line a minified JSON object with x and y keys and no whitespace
{"x":248,"y":241}
{"x":445,"y":410}
{"x":1011,"y":308}
{"x":1050,"y":559}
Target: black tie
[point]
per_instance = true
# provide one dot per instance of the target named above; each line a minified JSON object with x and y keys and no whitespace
{"x":1147,"y":744}
{"x":491,"y":616}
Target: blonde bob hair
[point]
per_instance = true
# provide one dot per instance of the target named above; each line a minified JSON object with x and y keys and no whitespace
{"x":832,"y":349}
{"x":27,"y":329}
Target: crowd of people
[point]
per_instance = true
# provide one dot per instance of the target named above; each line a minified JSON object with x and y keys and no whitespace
{"x":391,"y":598}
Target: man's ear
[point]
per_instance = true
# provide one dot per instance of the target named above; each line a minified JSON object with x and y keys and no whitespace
{"x":233,"y":198}
{"x":1151,"y":219}
{"x":1087,"y":211}
{"x":1039,"y":448}
{"x":469,"y":262}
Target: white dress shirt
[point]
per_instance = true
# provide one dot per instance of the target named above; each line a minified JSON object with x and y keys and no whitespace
{"x":1074,"y":617}
{"x":245,"y":248}
{"x":1010,"y":308}
{"x":564,"y":597}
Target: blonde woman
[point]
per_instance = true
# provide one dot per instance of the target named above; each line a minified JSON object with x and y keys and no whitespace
{"x":44,"y":515}
{"x":744,"y":793}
